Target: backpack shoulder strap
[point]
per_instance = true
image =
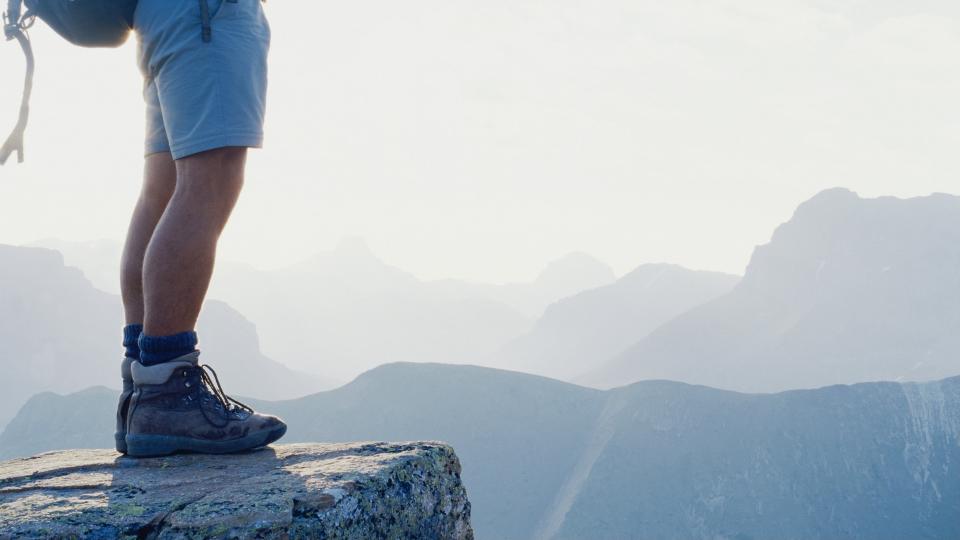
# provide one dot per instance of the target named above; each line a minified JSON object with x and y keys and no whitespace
{"x":15,"y":28}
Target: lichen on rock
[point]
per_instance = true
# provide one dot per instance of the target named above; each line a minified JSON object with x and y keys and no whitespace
{"x":357,"y":490}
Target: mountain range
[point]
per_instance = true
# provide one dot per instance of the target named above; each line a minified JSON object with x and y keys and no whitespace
{"x":360,"y":312}
{"x":848,"y":290}
{"x":656,"y":459}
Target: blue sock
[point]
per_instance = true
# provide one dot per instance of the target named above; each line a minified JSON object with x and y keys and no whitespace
{"x":131,"y":333}
{"x":159,"y":349}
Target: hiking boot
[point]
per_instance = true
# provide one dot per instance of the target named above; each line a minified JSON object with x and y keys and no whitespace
{"x":177,"y":407}
{"x":119,"y":436}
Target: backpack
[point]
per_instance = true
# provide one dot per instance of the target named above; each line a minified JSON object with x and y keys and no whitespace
{"x":87,"y":23}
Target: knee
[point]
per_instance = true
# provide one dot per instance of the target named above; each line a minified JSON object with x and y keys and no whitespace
{"x":215,"y":173}
{"x":160,"y":178}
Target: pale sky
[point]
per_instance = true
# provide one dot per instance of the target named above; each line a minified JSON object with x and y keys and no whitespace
{"x":480,"y":140}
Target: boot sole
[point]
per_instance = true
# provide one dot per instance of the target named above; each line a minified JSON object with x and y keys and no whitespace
{"x":164,"y":445}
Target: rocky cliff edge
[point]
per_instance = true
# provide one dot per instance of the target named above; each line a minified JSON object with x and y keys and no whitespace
{"x":357,"y":490}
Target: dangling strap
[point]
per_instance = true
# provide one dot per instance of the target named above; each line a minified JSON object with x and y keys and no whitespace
{"x":16,"y":29}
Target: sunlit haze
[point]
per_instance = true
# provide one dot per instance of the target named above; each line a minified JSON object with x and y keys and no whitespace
{"x":480,"y":140}
{"x":610,"y":268}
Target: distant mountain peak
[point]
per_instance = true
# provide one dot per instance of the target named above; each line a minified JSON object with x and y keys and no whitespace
{"x":350,"y":250}
{"x":577,"y":267}
{"x":31,"y":255}
{"x":838,"y":223}
{"x":354,"y":246}
{"x":834,"y":194}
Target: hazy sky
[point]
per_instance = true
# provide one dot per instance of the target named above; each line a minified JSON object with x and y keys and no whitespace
{"x":481,"y":139}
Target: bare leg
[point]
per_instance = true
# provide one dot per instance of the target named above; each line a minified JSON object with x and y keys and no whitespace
{"x":159,"y":180}
{"x":180,"y":256}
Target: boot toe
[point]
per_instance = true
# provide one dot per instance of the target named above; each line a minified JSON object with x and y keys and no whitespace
{"x":268,"y":421}
{"x":275,"y":426}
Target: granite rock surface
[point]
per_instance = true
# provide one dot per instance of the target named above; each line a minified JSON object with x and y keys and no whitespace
{"x":356,"y":490}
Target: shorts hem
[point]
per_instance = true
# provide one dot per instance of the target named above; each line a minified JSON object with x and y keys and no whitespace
{"x":220,"y":141}
{"x":151,"y":150}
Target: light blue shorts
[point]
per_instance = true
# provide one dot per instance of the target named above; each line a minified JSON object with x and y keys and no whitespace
{"x":202,"y":95}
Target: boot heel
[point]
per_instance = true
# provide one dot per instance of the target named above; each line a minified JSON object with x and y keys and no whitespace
{"x":120,"y":439}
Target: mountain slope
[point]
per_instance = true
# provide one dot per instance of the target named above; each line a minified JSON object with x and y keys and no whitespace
{"x":875,"y":460}
{"x":58,"y":332}
{"x":590,"y":328}
{"x":50,"y":421}
{"x":656,"y":459}
{"x":99,"y":260}
{"x":519,"y":433}
{"x":848,"y":290}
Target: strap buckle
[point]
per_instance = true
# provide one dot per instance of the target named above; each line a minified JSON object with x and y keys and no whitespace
{"x":9,"y":28}
{"x":13,"y":27}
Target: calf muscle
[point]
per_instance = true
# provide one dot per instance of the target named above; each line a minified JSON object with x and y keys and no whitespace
{"x":159,"y":180}
{"x":180,"y":256}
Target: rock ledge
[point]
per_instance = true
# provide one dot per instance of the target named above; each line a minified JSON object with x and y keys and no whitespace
{"x":360,"y":490}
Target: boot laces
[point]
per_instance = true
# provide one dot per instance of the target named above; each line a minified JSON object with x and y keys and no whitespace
{"x":229,"y":404}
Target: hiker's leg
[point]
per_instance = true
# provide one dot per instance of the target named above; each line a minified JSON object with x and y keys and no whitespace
{"x":179,"y":259}
{"x":159,"y":180}
{"x":211,"y":94}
